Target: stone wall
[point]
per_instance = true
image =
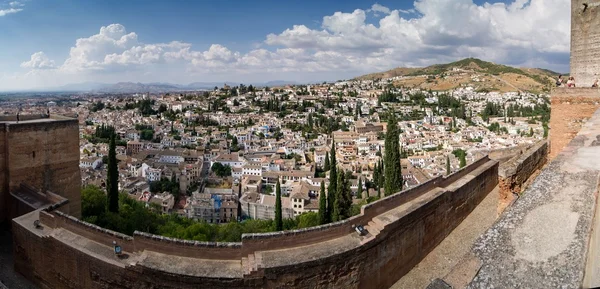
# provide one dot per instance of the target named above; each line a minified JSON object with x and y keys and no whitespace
{"x":585,"y":41}
{"x":4,"y":195}
{"x":515,"y":172}
{"x":571,"y":107}
{"x":76,"y":261}
{"x":45,"y":155}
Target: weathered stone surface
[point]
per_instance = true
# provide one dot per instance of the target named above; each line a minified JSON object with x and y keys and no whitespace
{"x":515,"y":172}
{"x":542,"y":240}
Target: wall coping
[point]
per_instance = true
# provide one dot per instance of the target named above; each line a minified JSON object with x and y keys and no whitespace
{"x":190,"y":243}
{"x":510,"y":167}
{"x":76,"y":221}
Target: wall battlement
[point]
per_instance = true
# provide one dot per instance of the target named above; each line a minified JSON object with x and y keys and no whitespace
{"x":403,"y":229}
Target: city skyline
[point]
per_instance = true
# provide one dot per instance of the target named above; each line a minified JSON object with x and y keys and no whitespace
{"x":55,"y":43}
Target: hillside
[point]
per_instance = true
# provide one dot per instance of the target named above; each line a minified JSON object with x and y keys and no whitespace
{"x":479,"y":74}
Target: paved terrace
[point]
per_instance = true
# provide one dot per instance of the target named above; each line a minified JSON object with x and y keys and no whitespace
{"x":542,"y":241}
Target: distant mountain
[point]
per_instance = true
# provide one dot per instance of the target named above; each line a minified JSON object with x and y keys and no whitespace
{"x":154,"y":87}
{"x":278,"y":83}
{"x":482,"y":75}
{"x":131,"y":87}
{"x":209,"y":85}
{"x":83,"y":86}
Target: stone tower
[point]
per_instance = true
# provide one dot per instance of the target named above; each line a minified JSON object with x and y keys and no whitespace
{"x":585,"y":41}
{"x":42,"y":153}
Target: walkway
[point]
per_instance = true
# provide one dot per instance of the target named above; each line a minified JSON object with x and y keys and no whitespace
{"x":542,"y":240}
{"x":452,"y":254}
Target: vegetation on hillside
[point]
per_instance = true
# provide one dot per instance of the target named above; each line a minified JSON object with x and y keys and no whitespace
{"x":543,"y":77}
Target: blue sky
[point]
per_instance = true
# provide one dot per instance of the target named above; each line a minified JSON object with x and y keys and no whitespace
{"x":54,"y":42}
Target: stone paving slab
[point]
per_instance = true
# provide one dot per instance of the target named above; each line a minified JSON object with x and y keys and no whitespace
{"x":542,"y":240}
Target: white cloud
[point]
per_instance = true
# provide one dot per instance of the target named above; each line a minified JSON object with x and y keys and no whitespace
{"x":380,"y":8}
{"x":533,"y":32}
{"x":16,"y":4}
{"x":38,"y":60}
{"x":444,"y":29}
{"x":4,"y":12}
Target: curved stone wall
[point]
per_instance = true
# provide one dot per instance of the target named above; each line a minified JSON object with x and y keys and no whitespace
{"x":403,"y":229}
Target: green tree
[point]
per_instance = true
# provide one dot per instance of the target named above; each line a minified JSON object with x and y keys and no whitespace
{"x":309,"y":219}
{"x":322,"y":205}
{"x":93,"y":203}
{"x":360,"y":189}
{"x":338,"y":204}
{"x":112,"y":178}
{"x":463,"y":160}
{"x":332,"y":189}
{"x":327,"y":165}
{"x":278,"y":215}
{"x":221,"y":170}
{"x":447,"y":165}
{"x":392,"y":167}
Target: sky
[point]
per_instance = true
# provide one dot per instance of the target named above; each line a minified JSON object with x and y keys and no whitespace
{"x":49,"y":43}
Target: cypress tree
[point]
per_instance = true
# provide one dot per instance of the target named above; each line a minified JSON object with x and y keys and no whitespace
{"x":347,"y":196}
{"x":376,"y":175}
{"x":447,"y":165}
{"x":338,"y":204}
{"x":392,"y":168}
{"x":326,"y":165}
{"x":360,"y":189}
{"x":332,"y":189}
{"x":278,"y":216}
{"x":239,"y":208}
{"x":463,"y":159}
{"x":381,"y":179}
{"x":112,"y":178}
{"x":322,"y":205}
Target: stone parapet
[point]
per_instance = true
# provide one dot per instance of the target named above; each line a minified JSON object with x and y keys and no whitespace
{"x":403,"y":229}
{"x":515,"y":172}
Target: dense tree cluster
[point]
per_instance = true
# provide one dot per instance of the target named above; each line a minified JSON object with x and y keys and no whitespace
{"x":462,"y":157}
{"x":97,"y":106}
{"x":343,"y":198}
{"x":134,"y":215}
{"x":221,"y":170}
{"x":166,"y":185}
{"x":104,"y":131}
